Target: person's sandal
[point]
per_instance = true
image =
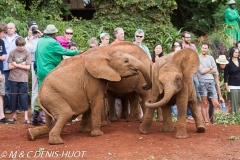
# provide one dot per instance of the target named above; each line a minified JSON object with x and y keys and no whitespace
{"x":18,"y":111}
{"x":13,"y":119}
{"x":7,"y":111}
{"x":27,"y":122}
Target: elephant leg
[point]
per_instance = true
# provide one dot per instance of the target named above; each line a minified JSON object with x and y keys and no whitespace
{"x":104,"y":117}
{"x":197,"y":117}
{"x":86,"y":119}
{"x":134,"y":108}
{"x":167,"y":119}
{"x":63,"y":116}
{"x":159,"y":114}
{"x":33,"y":133}
{"x":143,"y":98}
{"x":112,"y":110}
{"x":181,"y":120}
{"x":124,"y":110}
{"x":96,"y":109}
{"x":147,"y":121}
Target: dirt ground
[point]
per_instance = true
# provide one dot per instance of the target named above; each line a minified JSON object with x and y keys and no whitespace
{"x":121,"y":140}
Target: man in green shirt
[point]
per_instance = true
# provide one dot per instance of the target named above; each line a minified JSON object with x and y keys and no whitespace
{"x":48,"y":55}
{"x":231,"y":18}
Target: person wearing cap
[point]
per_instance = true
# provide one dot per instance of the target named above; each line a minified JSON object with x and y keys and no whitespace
{"x":49,"y":53}
{"x":232,"y":78}
{"x":139,"y":37}
{"x":9,"y":41}
{"x":232,"y":18}
{"x":104,"y":37}
{"x":31,"y":43}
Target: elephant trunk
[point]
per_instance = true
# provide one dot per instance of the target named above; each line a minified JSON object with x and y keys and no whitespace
{"x":168,"y":93}
{"x":146,"y":76}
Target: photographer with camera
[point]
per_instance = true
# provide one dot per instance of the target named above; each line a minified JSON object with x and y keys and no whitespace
{"x":31,"y":43}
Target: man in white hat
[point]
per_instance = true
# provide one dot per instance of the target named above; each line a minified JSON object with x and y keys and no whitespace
{"x":48,"y":55}
{"x":231,"y":18}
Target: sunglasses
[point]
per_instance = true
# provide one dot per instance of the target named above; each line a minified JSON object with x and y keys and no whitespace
{"x":68,"y":33}
{"x":139,"y":36}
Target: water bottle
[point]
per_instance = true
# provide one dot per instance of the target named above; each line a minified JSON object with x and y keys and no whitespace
{"x":223,"y":107}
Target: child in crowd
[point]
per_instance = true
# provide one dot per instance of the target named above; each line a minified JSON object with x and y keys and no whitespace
{"x":72,"y":46}
{"x":3,"y":31}
{"x":93,"y":42}
{"x":19,"y":62}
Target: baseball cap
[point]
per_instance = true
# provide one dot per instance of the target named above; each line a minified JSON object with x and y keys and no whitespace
{"x":32,"y":23}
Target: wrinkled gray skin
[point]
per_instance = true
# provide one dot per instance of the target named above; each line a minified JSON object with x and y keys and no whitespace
{"x":78,"y":85}
{"x":173,"y":84}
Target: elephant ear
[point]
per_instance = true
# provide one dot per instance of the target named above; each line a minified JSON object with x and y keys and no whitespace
{"x":156,"y":67}
{"x":97,"y":64}
{"x":188,"y":60}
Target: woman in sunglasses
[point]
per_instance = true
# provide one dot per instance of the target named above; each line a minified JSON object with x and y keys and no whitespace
{"x":64,"y":40}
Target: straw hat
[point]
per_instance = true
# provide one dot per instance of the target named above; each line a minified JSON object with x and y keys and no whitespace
{"x":231,"y":2}
{"x":50,"y":29}
{"x":222,"y":59}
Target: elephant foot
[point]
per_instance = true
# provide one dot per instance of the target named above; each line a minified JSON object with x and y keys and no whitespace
{"x":132,"y":119}
{"x":181,"y":136}
{"x":96,"y":133}
{"x":55,"y":140}
{"x":200,"y":129}
{"x":30,"y":136}
{"x":104,"y":123}
{"x":167,"y":129}
{"x":33,"y":133}
{"x":143,"y":130}
{"x":160,"y":119}
{"x":113,"y":119}
{"x":84,"y":129}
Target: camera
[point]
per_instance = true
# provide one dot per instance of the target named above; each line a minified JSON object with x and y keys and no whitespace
{"x":34,"y":30}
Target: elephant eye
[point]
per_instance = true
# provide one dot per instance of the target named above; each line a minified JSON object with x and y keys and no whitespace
{"x":126,"y":61}
{"x":177,"y":79}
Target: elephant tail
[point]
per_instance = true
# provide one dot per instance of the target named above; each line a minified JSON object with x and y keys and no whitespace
{"x":45,"y":110}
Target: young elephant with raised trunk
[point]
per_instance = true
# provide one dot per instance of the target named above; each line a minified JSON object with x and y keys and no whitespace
{"x":78,"y":86}
{"x":173,"y":84}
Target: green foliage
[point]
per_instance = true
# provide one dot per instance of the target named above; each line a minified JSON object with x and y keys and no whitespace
{"x":200,"y":16}
{"x":233,"y":138}
{"x":221,"y":118}
{"x":11,"y":8}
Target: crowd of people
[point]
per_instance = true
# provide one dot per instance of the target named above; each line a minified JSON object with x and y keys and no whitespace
{"x":42,"y":52}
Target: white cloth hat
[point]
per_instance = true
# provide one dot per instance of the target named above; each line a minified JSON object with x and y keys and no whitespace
{"x":231,"y":2}
{"x":222,"y":59}
{"x":50,"y":29}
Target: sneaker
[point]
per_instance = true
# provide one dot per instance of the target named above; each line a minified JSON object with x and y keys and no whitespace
{"x":6,"y":121}
{"x":190,"y":118}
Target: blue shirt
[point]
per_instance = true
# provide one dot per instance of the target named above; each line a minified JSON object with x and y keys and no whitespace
{"x":9,"y":47}
{"x":2,"y":52}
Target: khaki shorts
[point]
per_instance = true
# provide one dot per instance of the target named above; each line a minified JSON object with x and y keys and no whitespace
{"x":2,"y":86}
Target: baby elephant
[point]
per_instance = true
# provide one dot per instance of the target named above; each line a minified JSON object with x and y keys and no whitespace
{"x":173,"y":84}
{"x":78,"y":86}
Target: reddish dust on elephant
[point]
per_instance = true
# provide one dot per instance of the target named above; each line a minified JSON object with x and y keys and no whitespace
{"x":122,"y":140}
